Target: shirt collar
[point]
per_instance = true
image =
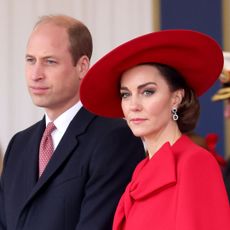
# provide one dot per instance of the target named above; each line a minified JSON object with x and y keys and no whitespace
{"x":63,"y":121}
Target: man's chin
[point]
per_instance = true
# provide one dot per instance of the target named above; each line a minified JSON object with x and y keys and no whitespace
{"x":39,"y":103}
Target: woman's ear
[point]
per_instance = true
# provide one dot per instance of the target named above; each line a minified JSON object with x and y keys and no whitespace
{"x":83,"y":66}
{"x":177,"y":97}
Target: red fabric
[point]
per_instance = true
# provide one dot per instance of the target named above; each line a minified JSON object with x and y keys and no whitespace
{"x":180,"y":188}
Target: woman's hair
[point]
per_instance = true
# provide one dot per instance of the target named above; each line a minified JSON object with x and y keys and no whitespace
{"x":189,"y":109}
{"x":80,"y":38}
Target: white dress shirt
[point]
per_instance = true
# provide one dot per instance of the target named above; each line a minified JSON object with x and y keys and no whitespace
{"x":62,"y":122}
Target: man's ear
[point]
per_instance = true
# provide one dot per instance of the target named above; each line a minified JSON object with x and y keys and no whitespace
{"x":83,"y":66}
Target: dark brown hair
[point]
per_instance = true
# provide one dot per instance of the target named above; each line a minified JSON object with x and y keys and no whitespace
{"x":80,"y":38}
{"x":189,"y":109}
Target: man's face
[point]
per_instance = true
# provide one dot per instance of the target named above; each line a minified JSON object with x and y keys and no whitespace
{"x":52,"y":79}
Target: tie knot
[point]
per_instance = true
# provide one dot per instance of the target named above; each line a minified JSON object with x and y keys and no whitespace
{"x":49,"y":128}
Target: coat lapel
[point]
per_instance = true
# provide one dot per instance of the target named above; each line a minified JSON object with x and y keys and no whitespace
{"x":65,"y":148}
{"x":31,"y":154}
{"x":158,"y":173}
{"x":150,"y":177}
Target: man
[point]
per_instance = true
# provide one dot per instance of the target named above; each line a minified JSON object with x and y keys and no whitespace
{"x":93,"y":157}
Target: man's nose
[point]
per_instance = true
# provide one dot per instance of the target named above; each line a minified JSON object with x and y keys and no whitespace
{"x":37,"y":72}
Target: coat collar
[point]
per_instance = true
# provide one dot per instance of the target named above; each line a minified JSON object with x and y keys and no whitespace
{"x":156,"y":173}
{"x":159,"y":172}
{"x":150,"y":177}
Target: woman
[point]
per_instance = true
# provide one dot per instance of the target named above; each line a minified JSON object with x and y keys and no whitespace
{"x":153,"y":82}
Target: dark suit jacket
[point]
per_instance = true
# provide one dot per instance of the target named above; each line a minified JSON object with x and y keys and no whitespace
{"x":82,"y":183}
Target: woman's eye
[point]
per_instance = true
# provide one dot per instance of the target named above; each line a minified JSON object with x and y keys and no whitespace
{"x":124,"y":94}
{"x":148,"y":92}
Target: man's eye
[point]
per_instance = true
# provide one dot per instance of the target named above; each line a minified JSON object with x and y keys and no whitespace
{"x":49,"y":61}
{"x":30,"y":60}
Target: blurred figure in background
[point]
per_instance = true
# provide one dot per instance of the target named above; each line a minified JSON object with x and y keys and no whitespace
{"x":223,"y":94}
{"x":209,"y":142}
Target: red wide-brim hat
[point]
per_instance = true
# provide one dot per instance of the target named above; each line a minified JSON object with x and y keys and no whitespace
{"x":196,"y":56}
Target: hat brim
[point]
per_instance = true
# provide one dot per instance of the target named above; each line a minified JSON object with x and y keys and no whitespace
{"x":197,"y":57}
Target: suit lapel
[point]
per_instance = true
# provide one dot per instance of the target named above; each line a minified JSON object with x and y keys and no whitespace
{"x":66,"y":147}
{"x":32,"y":156}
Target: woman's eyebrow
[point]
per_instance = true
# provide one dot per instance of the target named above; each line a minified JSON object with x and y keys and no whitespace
{"x":140,"y":86}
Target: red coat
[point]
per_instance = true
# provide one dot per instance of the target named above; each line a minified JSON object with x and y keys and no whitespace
{"x":179,"y":188}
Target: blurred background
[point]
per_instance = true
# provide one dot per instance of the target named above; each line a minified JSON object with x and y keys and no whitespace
{"x":111,"y":23}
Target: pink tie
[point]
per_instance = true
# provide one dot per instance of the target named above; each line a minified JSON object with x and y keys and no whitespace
{"x":46,"y":147}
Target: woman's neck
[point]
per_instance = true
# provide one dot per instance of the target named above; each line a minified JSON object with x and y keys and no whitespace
{"x":154,"y":142}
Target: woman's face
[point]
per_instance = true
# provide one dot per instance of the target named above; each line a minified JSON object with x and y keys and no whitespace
{"x":147,"y":101}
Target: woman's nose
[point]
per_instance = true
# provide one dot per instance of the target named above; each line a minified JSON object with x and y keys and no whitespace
{"x":135,"y":104}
